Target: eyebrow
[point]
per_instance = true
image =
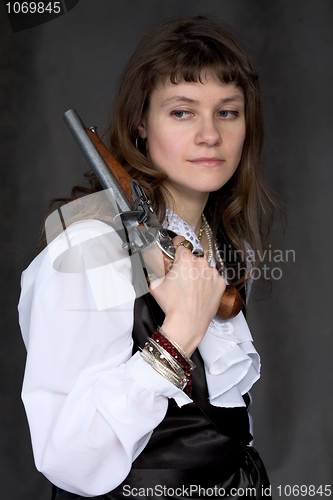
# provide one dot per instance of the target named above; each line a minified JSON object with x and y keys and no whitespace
{"x":182,"y":98}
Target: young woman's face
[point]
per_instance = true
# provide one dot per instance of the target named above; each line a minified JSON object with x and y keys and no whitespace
{"x":195,"y":134}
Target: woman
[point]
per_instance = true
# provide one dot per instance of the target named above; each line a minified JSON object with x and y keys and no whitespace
{"x":106,"y":420}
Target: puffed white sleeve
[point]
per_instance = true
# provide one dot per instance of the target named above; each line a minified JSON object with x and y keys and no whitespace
{"x":91,"y":405}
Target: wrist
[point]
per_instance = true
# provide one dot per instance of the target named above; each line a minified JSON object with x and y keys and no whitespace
{"x":187,"y":336}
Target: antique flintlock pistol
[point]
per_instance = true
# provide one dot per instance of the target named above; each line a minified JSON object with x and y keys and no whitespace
{"x":145,"y":232}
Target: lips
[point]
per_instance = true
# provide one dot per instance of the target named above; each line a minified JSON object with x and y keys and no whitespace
{"x":208,"y":161}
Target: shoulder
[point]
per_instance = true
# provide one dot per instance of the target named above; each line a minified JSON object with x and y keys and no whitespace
{"x":89,"y":243}
{"x":82,"y":248}
{"x":84,"y":268}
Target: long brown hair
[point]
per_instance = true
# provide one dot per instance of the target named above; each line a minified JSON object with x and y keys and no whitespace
{"x":183,"y":49}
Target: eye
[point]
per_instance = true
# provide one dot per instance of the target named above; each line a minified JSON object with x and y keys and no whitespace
{"x":180,"y":113}
{"x":225,"y":113}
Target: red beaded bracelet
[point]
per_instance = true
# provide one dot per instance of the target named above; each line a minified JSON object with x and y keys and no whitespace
{"x":160,"y":339}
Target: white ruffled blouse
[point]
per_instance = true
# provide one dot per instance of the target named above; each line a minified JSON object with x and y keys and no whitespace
{"x":92,"y":405}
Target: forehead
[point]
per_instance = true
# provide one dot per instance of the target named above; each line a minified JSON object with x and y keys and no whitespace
{"x":209,"y":88}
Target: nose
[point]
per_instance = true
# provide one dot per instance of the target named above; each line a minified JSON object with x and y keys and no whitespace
{"x":208,"y":132}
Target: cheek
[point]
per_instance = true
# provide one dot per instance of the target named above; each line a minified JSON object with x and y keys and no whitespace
{"x":238,"y":143}
{"x":163,"y":144}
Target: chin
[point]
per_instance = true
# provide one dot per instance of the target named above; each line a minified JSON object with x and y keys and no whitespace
{"x":211,"y":187}
{"x":211,"y":184}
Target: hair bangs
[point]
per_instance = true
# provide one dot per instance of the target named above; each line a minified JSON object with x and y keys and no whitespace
{"x":196,"y":60}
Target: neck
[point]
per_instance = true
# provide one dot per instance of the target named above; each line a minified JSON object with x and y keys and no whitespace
{"x":190,"y":211}
{"x":189,"y":208}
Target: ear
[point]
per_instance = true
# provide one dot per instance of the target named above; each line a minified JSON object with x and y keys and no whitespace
{"x":142,"y":130}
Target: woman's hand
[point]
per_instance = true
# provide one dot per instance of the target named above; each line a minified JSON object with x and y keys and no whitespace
{"x":189,"y":295}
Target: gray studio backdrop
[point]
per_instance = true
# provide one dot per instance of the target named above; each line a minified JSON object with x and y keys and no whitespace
{"x":74,"y":61}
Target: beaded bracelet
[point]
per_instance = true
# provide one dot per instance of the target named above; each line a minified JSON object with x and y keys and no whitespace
{"x":169,"y":345}
{"x":169,"y":359}
{"x":160,"y":337}
{"x":177,"y":346}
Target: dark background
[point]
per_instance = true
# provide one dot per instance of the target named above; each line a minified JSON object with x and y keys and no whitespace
{"x":73,"y":62}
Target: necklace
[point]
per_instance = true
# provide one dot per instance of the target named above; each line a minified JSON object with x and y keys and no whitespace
{"x":212,"y":247}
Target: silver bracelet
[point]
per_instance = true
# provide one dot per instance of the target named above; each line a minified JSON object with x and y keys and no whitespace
{"x":187,"y":359}
{"x":164,"y":355}
{"x":179,"y":382}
